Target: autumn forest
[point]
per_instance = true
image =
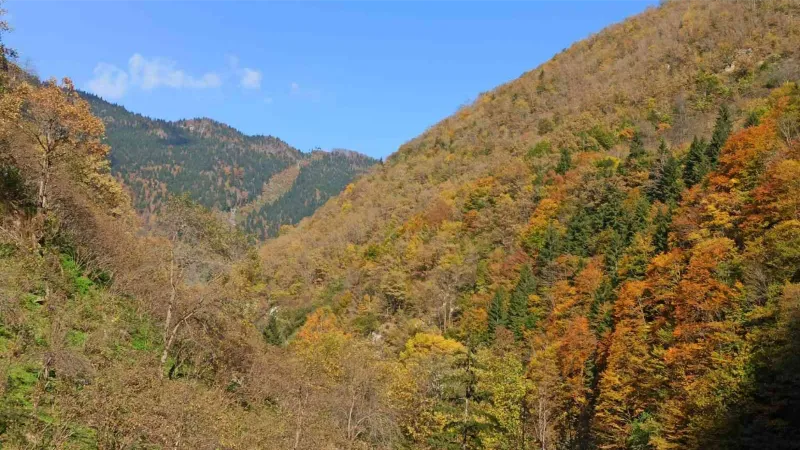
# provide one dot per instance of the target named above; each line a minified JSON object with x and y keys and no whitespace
{"x":601,"y":254}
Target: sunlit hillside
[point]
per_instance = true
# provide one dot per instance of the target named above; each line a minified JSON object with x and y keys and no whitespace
{"x":600,"y":254}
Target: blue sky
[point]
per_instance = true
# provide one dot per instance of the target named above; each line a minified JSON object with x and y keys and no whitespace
{"x":367,"y":76}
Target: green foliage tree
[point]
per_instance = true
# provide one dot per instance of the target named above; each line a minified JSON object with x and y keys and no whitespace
{"x":564,"y":162}
{"x":638,"y":219}
{"x":696,"y":165}
{"x":637,"y":154}
{"x":496,"y":312}
{"x":519,"y":317}
{"x":662,"y":223}
{"x":722,"y":129}
{"x":551,"y":245}
{"x":665,"y":177}
{"x":579,"y":231}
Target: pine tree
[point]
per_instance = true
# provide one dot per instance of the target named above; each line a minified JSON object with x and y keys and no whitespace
{"x":637,"y":153}
{"x":636,"y":258}
{"x":579,"y":230}
{"x":496,"y":313}
{"x":272,"y":333}
{"x":551,"y":247}
{"x":722,"y":129}
{"x":665,"y":177}
{"x":518,"y":315}
{"x":610,"y":213}
{"x":639,"y":220}
{"x":600,"y":317}
{"x":662,"y":222}
{"x":696,"y":165}
{"x":565,"y":163}
{"x":637,"y":147}
{"x":613,"y":253}
{"x":753,"y":119}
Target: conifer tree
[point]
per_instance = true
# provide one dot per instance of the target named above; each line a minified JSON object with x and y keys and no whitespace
{"x":496,"y":313}
{"x":272,"y":333}
{"x":613,"y":253}
{"x":722,"y":129}
{"x":665,"y":177}
{"x":518,"y":315}
{"x":579,"y":230}
{"x":600,"y":319}
{"x":637,"y":153}
{"x":696,"y":165}
{"x":551,"y":247}
{"x":565,"y":163}
{"x":609,"y":213}
{"x":639,"y":219}
{"x":662,"y":223}
{"x":637,"y":147}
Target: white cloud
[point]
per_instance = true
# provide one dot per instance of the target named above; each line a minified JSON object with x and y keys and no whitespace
{"x":152,"y":73}
{"x":268,"y":100}
{"x":112,"y":82}
{"x":109,"y":81}
{"x":295,"y":87}
{"x":250,"y":78}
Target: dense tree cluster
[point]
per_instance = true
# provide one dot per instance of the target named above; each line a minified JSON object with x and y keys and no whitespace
{"x":570,"y":262}
{"x":600,"y":254}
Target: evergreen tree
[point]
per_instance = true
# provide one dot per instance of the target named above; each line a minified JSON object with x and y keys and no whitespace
{"x":518,"y":314}
{"x":551,"y":247}
{"x":637,"y":147}
{"x":610,"y":213}
{"x":639,"y":219}
{"x":614,"y":250}
{"x":696,"y":165}
{"x":637,"y":153}
{"x":272,"y":333}
{"x":753,"y":119}
{"x":636,"y":258}
{"x":600,"y":317}
{"x":722,"y":129}
{"x":579,"y":230}
{"x":662,"y":222}
{"x":496,"y":313}
{"x":665,"y":177}
{"x":565,"y":163}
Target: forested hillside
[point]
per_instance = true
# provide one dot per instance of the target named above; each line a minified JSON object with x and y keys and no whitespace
{"x":601,"y":254}
{"x":218,"y":167}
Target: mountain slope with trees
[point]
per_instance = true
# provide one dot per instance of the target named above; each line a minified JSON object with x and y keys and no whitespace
{"x":601,"y":254}
{"x":218,"y":166}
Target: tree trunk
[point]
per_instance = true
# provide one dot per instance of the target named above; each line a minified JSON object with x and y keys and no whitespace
{"x":168,"y":338}
{"x":301,"y":404}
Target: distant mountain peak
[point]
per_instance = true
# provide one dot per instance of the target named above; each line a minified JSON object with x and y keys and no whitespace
{"x":222,"y":168}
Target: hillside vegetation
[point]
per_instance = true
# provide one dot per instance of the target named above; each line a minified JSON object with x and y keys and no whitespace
{"x":603,"y":253}
{"x":220,"y":168}
{"x":600,"y":254}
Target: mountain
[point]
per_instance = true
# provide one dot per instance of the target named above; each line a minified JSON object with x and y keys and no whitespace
{"x":558,"y":265}
{"x":221,"y":168}
{"x":600,"y":254}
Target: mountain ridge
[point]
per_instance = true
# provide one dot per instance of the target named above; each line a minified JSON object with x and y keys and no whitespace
{"x":216,"y":164}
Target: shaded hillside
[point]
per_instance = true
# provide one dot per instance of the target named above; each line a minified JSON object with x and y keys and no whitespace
{"x":321,"y":177}
{"x":218,"y":166}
